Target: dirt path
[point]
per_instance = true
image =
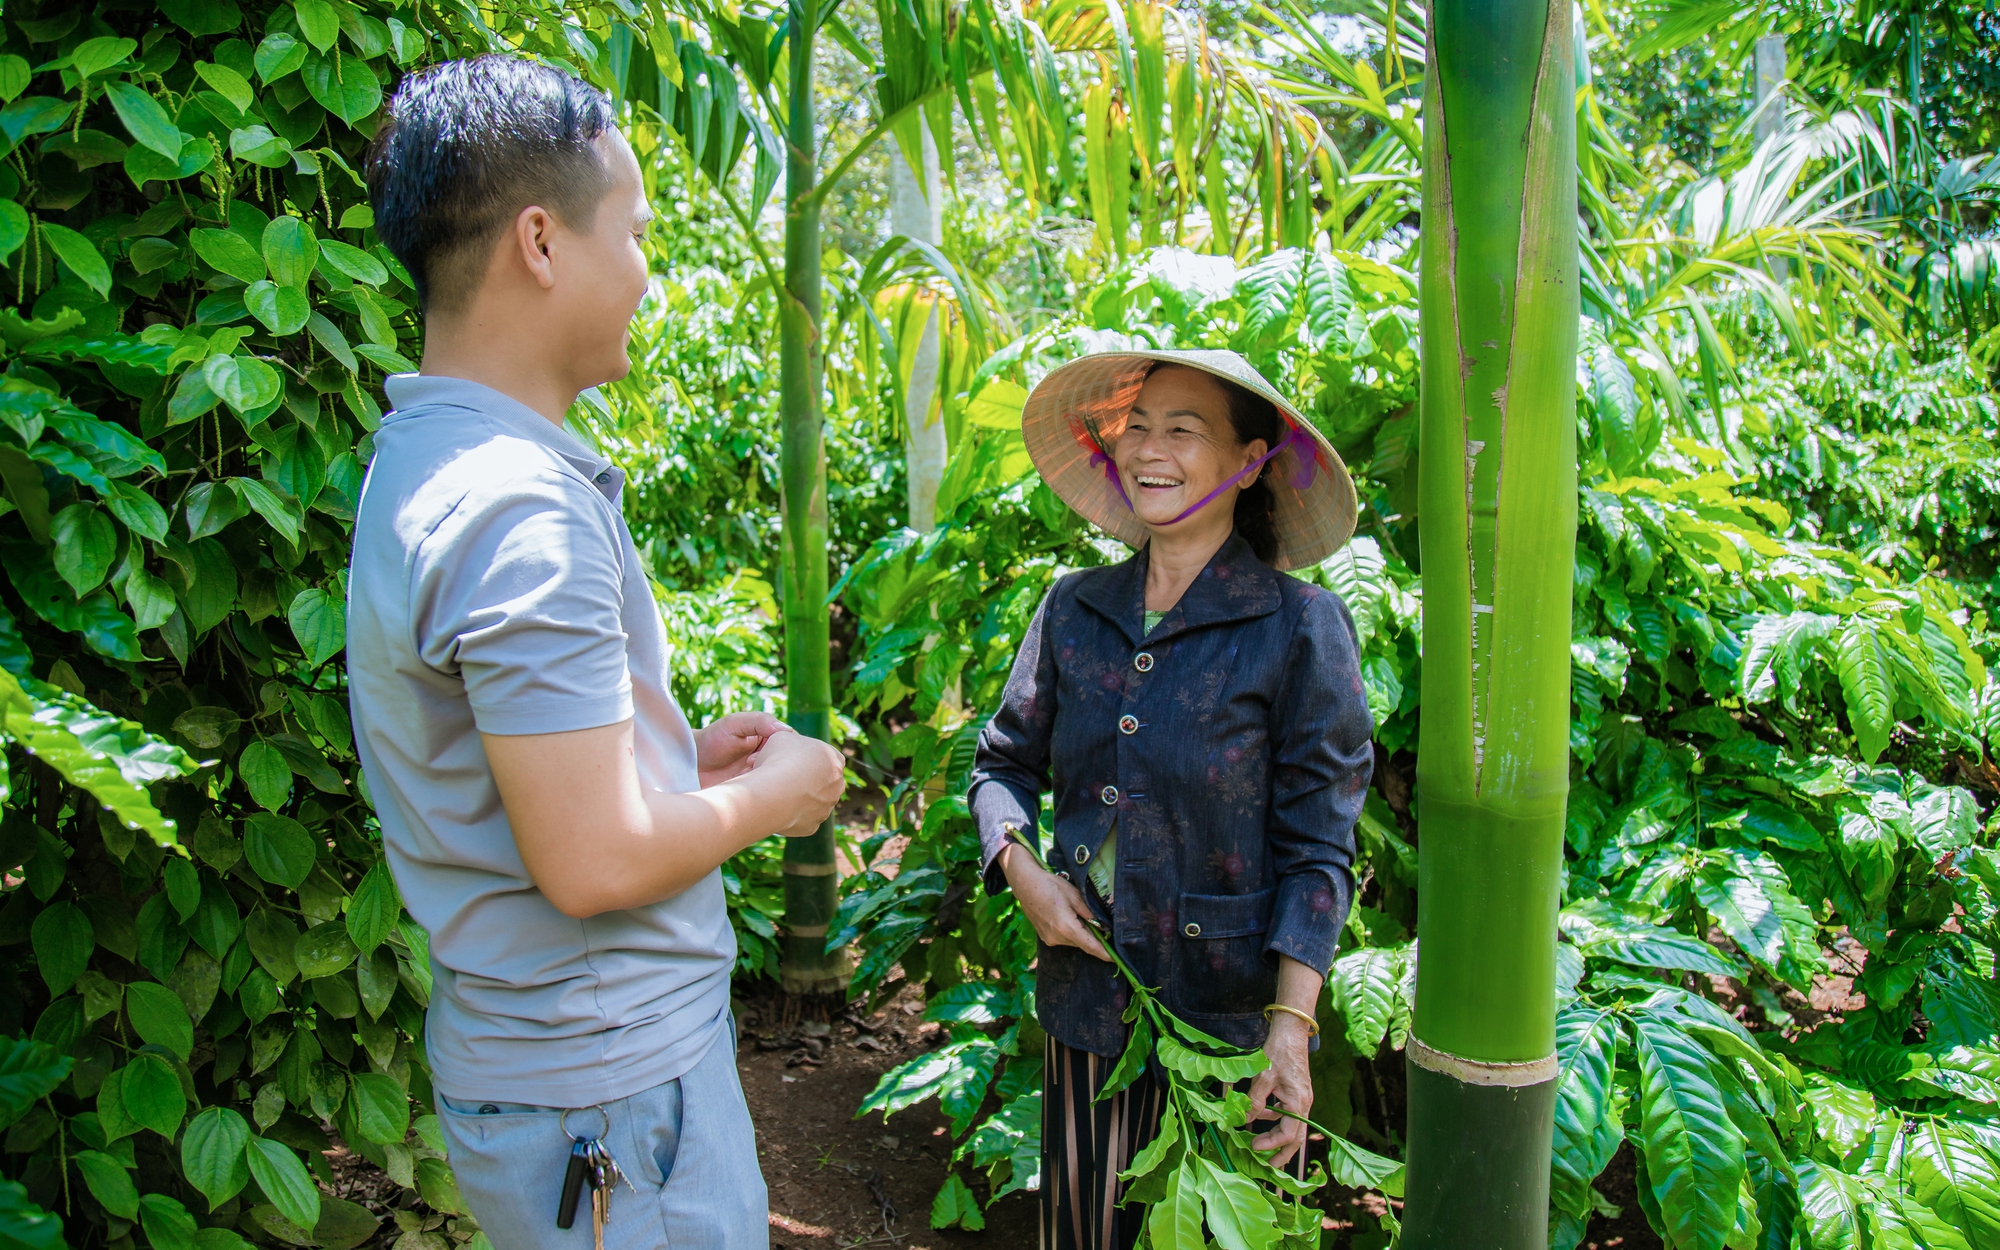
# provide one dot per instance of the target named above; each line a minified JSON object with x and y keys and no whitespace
{"x":837,"y":1181}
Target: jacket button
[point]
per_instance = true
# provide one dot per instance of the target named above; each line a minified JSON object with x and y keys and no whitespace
{"x":1082,"y":854}
{"x":1191,"y":929}
{"x":1143,"y":661}
{"x":1110,"y":796}
{"x":1128,"y":724}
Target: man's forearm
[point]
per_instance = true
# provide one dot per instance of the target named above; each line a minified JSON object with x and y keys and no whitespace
{"x":594,"y":840}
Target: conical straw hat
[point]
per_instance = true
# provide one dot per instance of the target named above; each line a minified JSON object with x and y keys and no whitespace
{"x":1078,"y":411}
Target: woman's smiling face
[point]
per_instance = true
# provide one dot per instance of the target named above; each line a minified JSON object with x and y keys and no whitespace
{"x":1177,"y":446}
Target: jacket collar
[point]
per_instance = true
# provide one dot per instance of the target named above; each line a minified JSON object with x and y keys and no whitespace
{"x":1235,"y":586}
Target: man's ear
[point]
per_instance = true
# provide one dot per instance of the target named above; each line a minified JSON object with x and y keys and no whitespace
{"x":534,"y":231}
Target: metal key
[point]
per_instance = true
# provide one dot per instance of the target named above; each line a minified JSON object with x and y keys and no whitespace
{"x":608,"y":1174}
{"x":594,"y":1177}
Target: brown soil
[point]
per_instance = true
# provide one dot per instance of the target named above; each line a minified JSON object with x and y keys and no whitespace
{"x":841,"y":1183}
{"x":837,"y":1181}
{"x":1629,"y":1230}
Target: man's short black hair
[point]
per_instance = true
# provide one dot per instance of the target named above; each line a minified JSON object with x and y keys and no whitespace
{"x":467,"y":145}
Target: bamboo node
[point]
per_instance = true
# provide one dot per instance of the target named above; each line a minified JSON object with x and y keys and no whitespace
{"x":1474,"y":1072}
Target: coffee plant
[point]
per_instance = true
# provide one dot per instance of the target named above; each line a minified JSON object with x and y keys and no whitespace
{"x":1762,"y":727}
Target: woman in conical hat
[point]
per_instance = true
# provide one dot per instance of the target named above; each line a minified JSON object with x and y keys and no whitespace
{"x":1200,"y":718}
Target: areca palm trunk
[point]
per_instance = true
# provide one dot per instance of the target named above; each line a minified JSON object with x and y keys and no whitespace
{"x":1498,"y":528}
{"x":916,"y":210}
{"x":811,"y":883}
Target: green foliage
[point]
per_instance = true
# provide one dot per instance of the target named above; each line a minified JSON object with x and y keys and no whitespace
{"x":1756,"y":713}
{"x":211,"y":979}
{"x":1200,"y":1169}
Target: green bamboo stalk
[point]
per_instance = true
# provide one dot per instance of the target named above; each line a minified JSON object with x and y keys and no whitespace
{"x":811,"y":883}
{"x":1498,"y":529}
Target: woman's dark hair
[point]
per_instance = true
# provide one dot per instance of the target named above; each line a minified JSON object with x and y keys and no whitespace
{"x":1251,"y":417}
{"x":468,"y":145}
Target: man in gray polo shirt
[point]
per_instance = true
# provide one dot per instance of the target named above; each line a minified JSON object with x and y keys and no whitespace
{"x":549,"y":815}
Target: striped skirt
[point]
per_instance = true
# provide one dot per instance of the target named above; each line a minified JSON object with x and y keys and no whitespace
{"x":1086,"y":1144}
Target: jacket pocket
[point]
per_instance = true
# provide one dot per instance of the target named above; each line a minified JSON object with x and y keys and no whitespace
{"x":1215,"y":916}
{"x":1221,"y":970}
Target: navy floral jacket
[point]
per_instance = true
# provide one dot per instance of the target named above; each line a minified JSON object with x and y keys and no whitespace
{"x":1230,"y":746}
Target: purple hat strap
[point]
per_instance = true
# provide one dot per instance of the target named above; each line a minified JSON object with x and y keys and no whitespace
{"x":1300,"y":440}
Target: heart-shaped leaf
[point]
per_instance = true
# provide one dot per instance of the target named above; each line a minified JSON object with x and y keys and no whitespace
{"x":63,"y":941}
{"x":284,"y":1181}
{"x":212,"y":1154}
{"x":243,"y":382}
{"x":167,"y":1223}
{"x":319,"y":622}
{"x":282,"y":309}
{"x":109,"y":1183}
{"x":94,"y":56}
{"x":319,"y":22}
{"x":282,"y":511}
{"x":290,"y":250}
{"x":228,"y":83}
{"x":229,"y":252}
{"x":272,"y":937}
{"x":33,"y":115}
{"x":144,"y":165}
{"x":13,"y":227}
{"x":259,"y":146}
{"x":269,"y":779}
{"x":381,"y":1108}
{"x":211,"y":506}
{"x":351,"y":262}
{"x":324,"y":950}
{"x":86,"y":543}
{"x":145,"y":119}
{"x":280,"y":54}
{"x":159,"y":1016}
{"x":152,"y":1094}
{"x":14,"y":76}
{"x":80,"y":255}
{"x":279,"y":850}
{"x":203,"y":17}
{"x":374,"y":909}
{"x":344,"y":85}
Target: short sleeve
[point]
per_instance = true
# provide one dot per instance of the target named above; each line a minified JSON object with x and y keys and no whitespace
{"x":521,"y":594}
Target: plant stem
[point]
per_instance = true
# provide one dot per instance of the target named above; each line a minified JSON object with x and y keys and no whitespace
{"x":811,"y":883}
{"x":1498,"y":526}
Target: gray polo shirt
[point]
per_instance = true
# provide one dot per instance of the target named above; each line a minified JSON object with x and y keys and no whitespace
{"x":495,"y":588}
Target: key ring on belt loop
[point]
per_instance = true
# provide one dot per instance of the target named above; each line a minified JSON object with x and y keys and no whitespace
{"x":563,"y":1123}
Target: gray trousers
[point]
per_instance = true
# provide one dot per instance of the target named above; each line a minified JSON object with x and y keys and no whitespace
{"x":686,"y":1147}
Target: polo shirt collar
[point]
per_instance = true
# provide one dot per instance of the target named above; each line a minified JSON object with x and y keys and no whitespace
{"x":412,"y":394}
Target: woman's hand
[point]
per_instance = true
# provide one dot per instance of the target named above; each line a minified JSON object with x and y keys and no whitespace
{"x":1054,"y":906}
{"x":722,"y":750}
{"x":1290,"y":1075}
{"x":1290,"y":1078}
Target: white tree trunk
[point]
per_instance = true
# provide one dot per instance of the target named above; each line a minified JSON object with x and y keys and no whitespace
{"x":1770,"y":72}
{"x":917,"y":211}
